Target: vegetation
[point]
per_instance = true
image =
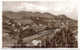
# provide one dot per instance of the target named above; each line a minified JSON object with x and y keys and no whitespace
{"x":53,"y":31}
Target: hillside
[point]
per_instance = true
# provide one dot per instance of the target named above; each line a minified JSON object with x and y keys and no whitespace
{"x":53,"y":31}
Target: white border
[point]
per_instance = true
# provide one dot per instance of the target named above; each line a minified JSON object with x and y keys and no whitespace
{"x":78,"y":8}
{"x":26,"y":0}
{"x":0,"y":24}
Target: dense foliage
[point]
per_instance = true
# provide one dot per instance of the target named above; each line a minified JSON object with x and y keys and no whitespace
{"x":53,"y":32}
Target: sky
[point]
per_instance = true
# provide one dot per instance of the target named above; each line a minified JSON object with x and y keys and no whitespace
{"x":57,"y":7}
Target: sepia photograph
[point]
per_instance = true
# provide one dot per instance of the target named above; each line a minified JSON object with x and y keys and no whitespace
{"x":39,"y":24}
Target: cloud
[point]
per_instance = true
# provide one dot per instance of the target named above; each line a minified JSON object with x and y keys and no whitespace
{"x":33,"y":7}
